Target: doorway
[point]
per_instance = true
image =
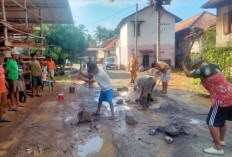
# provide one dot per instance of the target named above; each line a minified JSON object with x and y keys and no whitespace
{"x":145,"y":61}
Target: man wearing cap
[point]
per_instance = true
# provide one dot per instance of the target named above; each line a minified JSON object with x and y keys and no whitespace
{"x":12,"y":76}
{"x":146,"y":83}
{"x":133,"y":67}
{"x":221,"y":100}
{"x":103,"y":80}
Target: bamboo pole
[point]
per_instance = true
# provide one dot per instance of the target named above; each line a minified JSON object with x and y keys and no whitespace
{"x":4,"y":19}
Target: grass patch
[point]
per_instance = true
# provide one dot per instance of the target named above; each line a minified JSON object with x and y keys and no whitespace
{"x":64,"y":77}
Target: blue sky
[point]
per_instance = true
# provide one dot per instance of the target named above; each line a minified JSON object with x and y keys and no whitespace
{"x":92,"y":13}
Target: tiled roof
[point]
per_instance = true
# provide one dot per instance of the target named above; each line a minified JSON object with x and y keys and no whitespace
{"x":215,"y":3}
{"x":107,"y":45}
{"x":203,"y":21}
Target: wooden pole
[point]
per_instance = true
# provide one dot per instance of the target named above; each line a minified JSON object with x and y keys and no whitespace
{"x":4,"y":19}
{"x":41,"y":29}
{"x":136,"y":30}
{"x":26,"y":23}
{"x":158,"y":35}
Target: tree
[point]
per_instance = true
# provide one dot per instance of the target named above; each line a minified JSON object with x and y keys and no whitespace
{"x":65,"y":42}
{"x":102,"y":34}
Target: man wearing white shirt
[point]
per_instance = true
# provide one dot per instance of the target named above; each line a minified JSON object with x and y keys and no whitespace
{"x":103,"y":80}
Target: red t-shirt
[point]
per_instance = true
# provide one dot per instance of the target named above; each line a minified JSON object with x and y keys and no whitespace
{"x":2,"y":80}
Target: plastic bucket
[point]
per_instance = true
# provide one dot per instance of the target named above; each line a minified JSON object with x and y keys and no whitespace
{"x":60,"y":97}
{"x":71,"y":89}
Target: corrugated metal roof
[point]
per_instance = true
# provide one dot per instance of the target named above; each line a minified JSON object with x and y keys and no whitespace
{"x":215,"y":3}
{"x":52,"y":11}
{"x":203,"y":21}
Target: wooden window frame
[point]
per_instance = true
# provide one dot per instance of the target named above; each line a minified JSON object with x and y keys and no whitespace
{"x":227,"y":23}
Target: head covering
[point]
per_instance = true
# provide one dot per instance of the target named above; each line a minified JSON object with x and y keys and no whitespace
{"x":196,"y":61}
{"x":92,"y":67}
{"x":14,"y":52}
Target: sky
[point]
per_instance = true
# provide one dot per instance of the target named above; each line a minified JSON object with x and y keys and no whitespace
{"x":93,"y":13}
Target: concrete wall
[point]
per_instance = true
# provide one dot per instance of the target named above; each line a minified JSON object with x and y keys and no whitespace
{"x":221,"y":38}
{"x":148,"y":36}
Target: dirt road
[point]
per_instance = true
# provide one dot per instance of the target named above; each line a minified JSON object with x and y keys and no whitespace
{"x":47,"y":126}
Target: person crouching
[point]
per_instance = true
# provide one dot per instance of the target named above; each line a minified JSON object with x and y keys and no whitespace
{"x":146,"y":83}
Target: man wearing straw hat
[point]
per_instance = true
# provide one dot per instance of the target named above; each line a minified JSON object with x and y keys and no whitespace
{"x":221,"y":100}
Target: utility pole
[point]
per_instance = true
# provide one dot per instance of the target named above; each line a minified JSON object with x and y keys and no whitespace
{"x":158,"y":35}
{"x":136,"y":31}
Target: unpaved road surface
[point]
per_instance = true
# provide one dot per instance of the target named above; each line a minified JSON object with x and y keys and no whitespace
{"x":47,"y":127}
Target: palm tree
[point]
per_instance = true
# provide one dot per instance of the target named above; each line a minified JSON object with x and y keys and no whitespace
{"x":158,"y":5}
{"x":102,"y":34}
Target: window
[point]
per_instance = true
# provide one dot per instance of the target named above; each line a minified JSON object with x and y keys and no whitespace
{"x":227,"y":23}
{"x":138,"y":30}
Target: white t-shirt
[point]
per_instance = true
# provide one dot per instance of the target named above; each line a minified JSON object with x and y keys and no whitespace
{"x":103,"y":80}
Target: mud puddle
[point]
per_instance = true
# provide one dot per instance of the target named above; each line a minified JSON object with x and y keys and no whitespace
{"x":95,"y":146}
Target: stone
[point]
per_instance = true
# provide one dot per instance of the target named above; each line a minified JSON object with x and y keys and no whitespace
{"x":159,"y":129}
{"x":152,"y":132}
{"x":84,"y":116}
{"x":130,"y":119}
{"x":184,"y":130}
{"x":139,"y":139}
{"x":116,"y":94}
{"x":120,"y":102}
{"x":120,"y":89}
{"x":168,"y":139}
{"x":124,"y":88}
{"x":171,"y":130}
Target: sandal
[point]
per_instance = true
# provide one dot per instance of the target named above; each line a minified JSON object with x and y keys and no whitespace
{"x":14,"y":109}
{"x":4,"y":120}
{"x":38,"y":95}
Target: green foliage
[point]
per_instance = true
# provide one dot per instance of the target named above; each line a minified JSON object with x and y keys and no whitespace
{"x":220,"y":55}
{"x":65,"y":42}
{"x":196,"y":81}
{"x":102,"y":34}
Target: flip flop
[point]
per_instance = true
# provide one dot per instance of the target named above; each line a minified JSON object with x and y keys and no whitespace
{"x":4,"y":120}
{"x":20,"y":106}
{"x":96,"y":114}
{"x":112,"y":118}
{"x":38,"y":95}
{"x":14,"y":109}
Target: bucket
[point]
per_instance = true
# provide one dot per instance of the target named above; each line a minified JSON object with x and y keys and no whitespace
{"x":60,"y":97}
{"x":71,"y":89}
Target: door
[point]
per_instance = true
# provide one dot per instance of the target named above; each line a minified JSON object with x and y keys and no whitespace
{"x":145,"y":61}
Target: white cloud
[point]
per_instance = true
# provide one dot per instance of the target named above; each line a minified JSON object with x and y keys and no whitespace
{"x":109,"y":25}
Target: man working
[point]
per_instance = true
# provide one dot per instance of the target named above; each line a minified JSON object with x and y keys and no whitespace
{"x":13,"y":76}
{"x":221,"y":100}
{"x":51,"y":67}
{"x":103,"y":80}
{"x":166,"y":70}
{"x":90,"y":75}
{"x":133,"y":67}
{"x":146,"y":83}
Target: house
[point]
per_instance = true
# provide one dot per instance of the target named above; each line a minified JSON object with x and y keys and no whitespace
{"x":147,"y":37}
{"x":98,"y":53}
{"x":224,"y":20}
{"x":189,"y":34}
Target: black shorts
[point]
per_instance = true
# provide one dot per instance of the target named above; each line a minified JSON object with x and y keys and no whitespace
{"x":37,"y":81}
{"x":218,"y":115}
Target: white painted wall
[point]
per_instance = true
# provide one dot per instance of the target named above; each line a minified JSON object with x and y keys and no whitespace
{"x":148,"y":34}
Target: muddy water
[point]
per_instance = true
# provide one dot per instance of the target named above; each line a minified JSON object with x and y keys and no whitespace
{"x":95,"y":146}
